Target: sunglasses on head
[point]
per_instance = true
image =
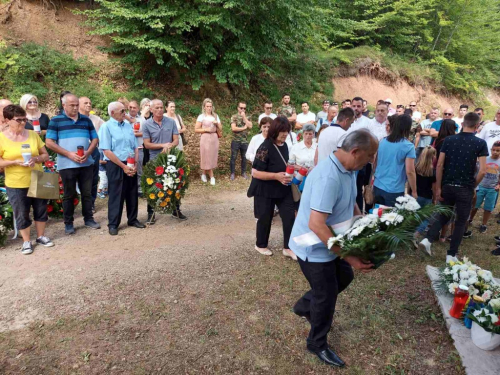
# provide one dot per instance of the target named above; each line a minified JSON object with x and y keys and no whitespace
{"x":20,"y":120}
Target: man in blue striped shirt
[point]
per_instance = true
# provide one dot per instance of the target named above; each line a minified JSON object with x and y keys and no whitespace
{"x":66,"y":133}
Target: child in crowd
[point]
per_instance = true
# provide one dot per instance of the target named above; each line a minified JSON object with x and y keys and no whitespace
{"x":426,"y":180}
{"x":102,"y":189}
{"x":487,"y":191}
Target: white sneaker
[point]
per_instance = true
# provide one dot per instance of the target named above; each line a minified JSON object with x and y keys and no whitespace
{"x":27,"y":248}
{"x":45,"y":241}
{"x":204,"y":177}
{"x":450,"y":258}
{"x":425,"y":246}
{"x":212,"y":181}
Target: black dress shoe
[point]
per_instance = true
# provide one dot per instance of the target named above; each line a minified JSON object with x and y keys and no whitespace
{"x":113,"y":231}
{"x":137,"y":224}
{"x":329,"y":357}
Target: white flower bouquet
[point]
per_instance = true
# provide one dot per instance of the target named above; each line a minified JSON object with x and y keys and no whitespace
{"x":463,"y":272}
{"x":485,"y":331}
{"x":376,"y":238}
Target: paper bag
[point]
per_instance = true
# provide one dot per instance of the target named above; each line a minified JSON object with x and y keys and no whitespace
{"x":44,"y":185}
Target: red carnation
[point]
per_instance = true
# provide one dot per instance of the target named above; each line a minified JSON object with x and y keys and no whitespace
{"x":76,"y":201}
{"x":49,"y":164}
{"x":159,"y":186}
{"x":181,"y":171}
{"x":1,"y":217}
{"x":50,"y":208}
{"x":59,"y":201}
{"x":159,"y":170}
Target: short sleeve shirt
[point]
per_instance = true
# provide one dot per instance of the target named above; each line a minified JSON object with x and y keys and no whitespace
{"x":286,"y":110}
{"x":436,"y":125}
{"x":303,"y":155}
{"x":425,"y":140}
{"x":17,"y":176}
{"x":490,"y":133}
{"x":462,"y":151}
{"x":329,"y":140}
{"x":262,"y":115}
{"x":490,"y":179}
{"x":330,"y":189}
{"x":117,"y":137}
{"x":159,"y":134}
{"x":69,"y":134}
{"x":240,"y":123}
{"x":390,"y":174}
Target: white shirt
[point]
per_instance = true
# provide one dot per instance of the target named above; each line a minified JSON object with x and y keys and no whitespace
{"x":303,"y":155}
{"x":378,"y":129}
{"x":362,"y":122}
{"x":208,"y":117}
{"x":272,"y":115}
{"x":329,"y":140}
{"x":303,"y":117}
{"x":180,"y":146}
{"x":416,"y":116}
{"x":291,"y":139}
{"x":254,"y":145}
{"x":459,"y":123}
{"x":490,"y":133}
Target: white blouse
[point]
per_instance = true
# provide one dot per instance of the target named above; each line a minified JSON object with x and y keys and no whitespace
{"x":254,"y":145}
{"x":303,"y":155}
{"x":180,"y":146}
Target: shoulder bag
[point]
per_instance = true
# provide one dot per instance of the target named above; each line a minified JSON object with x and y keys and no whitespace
{"x":295,"y":189}
{"x":184,"y":140}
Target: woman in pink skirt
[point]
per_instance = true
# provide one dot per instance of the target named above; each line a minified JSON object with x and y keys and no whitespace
{"x":207,"y":124}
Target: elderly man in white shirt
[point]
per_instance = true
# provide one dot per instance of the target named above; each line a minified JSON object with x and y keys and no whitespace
{"x":305,"y":117}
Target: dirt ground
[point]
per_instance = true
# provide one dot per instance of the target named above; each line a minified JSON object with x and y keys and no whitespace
{"x":194,"y":297}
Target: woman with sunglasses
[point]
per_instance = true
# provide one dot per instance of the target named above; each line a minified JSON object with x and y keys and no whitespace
{"x":37,"y":121}
{"x":16,"y":145}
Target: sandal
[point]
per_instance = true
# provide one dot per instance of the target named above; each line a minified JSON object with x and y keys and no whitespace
{"x":289,"y":253}
{"x":264,"y":251}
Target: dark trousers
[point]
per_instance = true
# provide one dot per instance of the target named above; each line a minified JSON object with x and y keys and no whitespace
{"x":121,"y":188}
{"x":460,"y":198}
{"x":386,"y":198}
{"x":363,"y":179}
{"x":95,"y":178}
{"x":264,"y":211}
{"x":82,"y":176}
{"x":242,"y":148}
{"x":327,"y":280}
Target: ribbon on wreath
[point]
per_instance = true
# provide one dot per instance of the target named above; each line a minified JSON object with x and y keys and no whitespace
{"x":310,"y":239}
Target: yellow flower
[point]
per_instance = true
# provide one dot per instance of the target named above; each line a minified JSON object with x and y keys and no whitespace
{"x":152,"y":196}
{"x":169,"y":192}
{"x":150,"y":181}
{"x":160,"y":194}
{"x":92,"y":112}
{"x":167,"y":200}
{"x":163,"y":204}
{"x":178,"y":195}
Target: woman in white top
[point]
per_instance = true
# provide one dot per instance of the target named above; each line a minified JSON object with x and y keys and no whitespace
{"x":178,"y":121}
{"x":257,"y":139}
{"x":291,"y":139}
{"x":303,"y":152}
{"x":207,"y":125}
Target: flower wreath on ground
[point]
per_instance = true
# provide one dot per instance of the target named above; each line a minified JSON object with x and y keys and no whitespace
{"x":377,"y":236}
{"x":6,"y":214}
{"x":165,"y":180}
{"x":55,"y":206}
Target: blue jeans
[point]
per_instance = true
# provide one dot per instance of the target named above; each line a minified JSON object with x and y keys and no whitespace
{"x":386,"y":198}
{"x":423,"y":202}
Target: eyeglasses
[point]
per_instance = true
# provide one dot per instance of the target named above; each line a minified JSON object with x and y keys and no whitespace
{"x":448,"y":114}
{"x":32,"y":102}
{"x":413,"y":105}
{"x":20,"y":120}
{"x":335,"y":103}
{"x":122,"y":110}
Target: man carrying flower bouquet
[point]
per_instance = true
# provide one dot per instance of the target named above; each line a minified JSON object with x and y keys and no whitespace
{"x":160,"y":134}
{"x":329,"y":198}
{"x":118,"y":142}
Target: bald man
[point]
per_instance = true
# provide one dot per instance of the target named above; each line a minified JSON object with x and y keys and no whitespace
{"x":3,"y":103}
{"x":436,"y":125}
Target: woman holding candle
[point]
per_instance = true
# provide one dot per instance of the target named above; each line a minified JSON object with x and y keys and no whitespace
{"x":207,"y":125}
{"x":270,"y":186}
{"x":15,"y":142}
{"x":37,"y":121}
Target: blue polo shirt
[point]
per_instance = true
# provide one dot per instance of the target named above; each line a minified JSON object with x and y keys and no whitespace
{"x":331,"y":189}
{"x":118,"y":137}
{"x":437,"y":125}
{"x":70,"y":134}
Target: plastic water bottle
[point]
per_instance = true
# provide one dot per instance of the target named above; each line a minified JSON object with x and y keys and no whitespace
{"x":299,"y":177}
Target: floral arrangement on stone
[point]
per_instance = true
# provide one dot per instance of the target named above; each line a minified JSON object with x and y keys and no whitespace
{"x":165,"y":180}
{"x":376,"y":237}
{"x":463,"y":272}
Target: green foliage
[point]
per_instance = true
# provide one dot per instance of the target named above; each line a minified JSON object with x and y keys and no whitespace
{"x":229,"y":40}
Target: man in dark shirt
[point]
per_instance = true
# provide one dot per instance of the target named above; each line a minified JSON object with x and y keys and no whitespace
{"x":456,"y":180}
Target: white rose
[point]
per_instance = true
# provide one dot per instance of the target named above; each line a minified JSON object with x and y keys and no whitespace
{"x":493,"y":318}
{"x":452,"y":287}
{"x":495,"y":304}
{"x":464,"y":275}
{"x":472,"y":280}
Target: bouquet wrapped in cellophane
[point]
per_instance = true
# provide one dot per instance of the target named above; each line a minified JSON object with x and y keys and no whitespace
{"x":376,"y":237}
